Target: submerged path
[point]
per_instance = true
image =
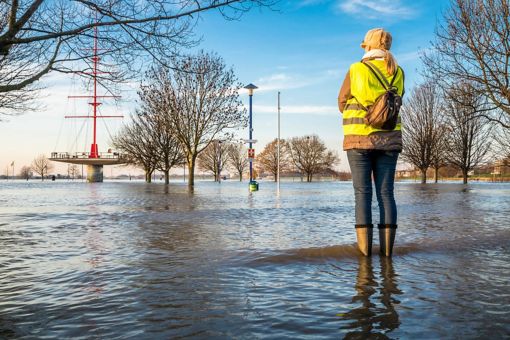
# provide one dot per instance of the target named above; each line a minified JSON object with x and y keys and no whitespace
{"x":131,"y":260}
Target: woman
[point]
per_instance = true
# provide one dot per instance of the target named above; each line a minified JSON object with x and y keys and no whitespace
{"x":372,"y":151}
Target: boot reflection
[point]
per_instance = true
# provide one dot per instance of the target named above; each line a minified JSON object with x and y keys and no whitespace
{"x":360,"y":318}
{"x":388,"y":319}
{"x":376,"y":315}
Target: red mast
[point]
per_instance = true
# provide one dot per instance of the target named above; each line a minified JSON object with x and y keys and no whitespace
{"x":94,"y":150}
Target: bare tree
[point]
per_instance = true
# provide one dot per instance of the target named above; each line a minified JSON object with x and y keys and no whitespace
{"x":267,"y":160}
{"x":26,"y":172}
{"x":169,"y":149}
{"x":473,"y":45}
{"x":502,"y":139}
{"x":421,"y":132}
{"x":469,"y":138}
{"x":37,"y":37}
{"x":16,"y":101}
{"x":158,"y":121}
{"x":214,"y":158}
{"x":41,"y":165}
{"x":238,"y":158}
{"x":135,"y":141}
{"x":439,"y":153}
{"x":73,"y":171}
{"x":204,"y":103}
{"x":310,"y":155}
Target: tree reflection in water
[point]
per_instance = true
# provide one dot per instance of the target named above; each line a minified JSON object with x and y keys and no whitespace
{"x":376,"y":316}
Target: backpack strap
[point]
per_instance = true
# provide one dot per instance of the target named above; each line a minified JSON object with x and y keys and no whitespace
{"x":395,"y":75}
{"x":403,"y":80}
{"x":380,"y":77}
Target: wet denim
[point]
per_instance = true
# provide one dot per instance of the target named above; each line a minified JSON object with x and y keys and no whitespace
{"x":381,"y":164}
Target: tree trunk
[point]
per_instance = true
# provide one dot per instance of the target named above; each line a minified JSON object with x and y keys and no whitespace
{"x":148,"y":176}
{"x":464,"y":176}
{"x":240,"y":176}
{"x":191,"y":172}
{"x":275,"y":177}
{"x":167,"y":176}
{"x":436,"y":174}
{"x":423,"y":176}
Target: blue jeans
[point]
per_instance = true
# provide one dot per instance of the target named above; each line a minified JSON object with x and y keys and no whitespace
{"x":382,"y":165}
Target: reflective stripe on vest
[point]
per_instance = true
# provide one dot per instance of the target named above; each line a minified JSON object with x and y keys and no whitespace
{"x":355,"y":106}
{"x":349,"y":121}
{"x":365,"y":89}
{"x":363,"y":129}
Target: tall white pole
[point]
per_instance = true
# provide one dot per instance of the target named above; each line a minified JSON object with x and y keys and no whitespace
{"x":278,"y":154}
{"x":219,"y":161}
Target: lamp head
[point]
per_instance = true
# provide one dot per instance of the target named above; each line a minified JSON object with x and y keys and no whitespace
{"x":250,"y":87}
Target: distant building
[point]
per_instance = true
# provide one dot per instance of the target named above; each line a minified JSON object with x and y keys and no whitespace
{"x":502,"y":167}
{"x":406,"y":173}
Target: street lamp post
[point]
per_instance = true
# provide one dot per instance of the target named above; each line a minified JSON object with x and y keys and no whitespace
{"x":219,"y":160}
{"x":278,"y":155}
{"x":253,"y":184}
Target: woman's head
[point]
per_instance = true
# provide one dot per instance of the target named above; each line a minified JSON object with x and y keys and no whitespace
{"x":377,"y":38}
{"x":380,"y":39}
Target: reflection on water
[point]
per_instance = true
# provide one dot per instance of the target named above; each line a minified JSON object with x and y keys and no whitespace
{"x":370,"y":320}
{"x":130,"y":260}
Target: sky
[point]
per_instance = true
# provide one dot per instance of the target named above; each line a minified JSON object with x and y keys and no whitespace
{"x":302,"y":48}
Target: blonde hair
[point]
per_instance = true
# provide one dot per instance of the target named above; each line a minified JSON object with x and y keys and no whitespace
{"x":391,"y":63}
{"x":378,"y":38}
{"x":385,"y":44}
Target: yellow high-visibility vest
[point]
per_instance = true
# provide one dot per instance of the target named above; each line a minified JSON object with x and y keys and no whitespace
{"x":365,"y":89}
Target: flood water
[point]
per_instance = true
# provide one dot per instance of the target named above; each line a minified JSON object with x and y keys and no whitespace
{"x":140,"y":261}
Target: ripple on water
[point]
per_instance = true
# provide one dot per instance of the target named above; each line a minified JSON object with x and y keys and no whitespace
{"x":130,"y":260}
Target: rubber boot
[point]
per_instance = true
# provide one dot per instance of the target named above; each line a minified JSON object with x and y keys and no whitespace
{"x":364,"y":235}
{"x":386,"y":238}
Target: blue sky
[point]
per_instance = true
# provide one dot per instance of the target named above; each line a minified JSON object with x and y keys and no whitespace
{"x":302,"y":48}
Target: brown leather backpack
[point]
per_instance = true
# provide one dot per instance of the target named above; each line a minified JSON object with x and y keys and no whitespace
{"x":383,"y":114}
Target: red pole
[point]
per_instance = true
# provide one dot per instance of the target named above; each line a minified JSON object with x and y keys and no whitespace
{"x":94,"y":150}
{"x":95,"y":59}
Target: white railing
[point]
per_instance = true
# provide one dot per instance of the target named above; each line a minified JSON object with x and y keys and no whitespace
{"x":85,"y":155}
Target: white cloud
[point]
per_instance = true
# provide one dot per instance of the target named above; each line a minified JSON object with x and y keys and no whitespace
{"x":376,"y":9}
{"x":304,"y":3}
{"x":408,"y":56}
{"x":282,"y":81}
{"x":336,"y":73}
{"x":411,"y":55}
{"x":298,"y":109}
{"x":287,"y":81}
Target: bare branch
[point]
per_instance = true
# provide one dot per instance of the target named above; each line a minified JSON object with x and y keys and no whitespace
{"x":469,"y":136}
{"x":473,"y":46}
{"x":267,"y":160}
{"x":238,"y":158}
{"x":422,"y":133}
{"x":310,"y":155}
{"x":214,"y":158}
{"x":41,"y":165}
{"x":37,"y":36}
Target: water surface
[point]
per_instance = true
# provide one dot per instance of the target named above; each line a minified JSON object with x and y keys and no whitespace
{"x":135,"y":260}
